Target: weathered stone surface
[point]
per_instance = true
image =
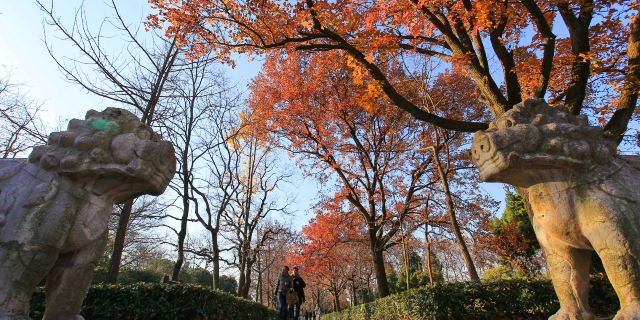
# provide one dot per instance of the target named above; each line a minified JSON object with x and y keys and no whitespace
{"x":54,"y":207}
{"x":583,"y":196}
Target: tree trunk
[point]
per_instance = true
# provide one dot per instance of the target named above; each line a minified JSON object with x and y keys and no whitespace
{"x":247,"y":279}
{"x":118,"y":242}
{"x":270,"y":297}
{"x":378,"y":265}
{"x":464,"y":251}
{"x":216,"y":259}
{"x":336,"y":300}
{"x":317,"y":298}
{"x":259,"y":281}
{"x":627,"y":103}
{"x":354,"y":296}
{"x":241,"y":278}
{"x":182,"y":234}
{"x":427,"y":250}
{"x":244,"y":282}
{"x":405,"y":258}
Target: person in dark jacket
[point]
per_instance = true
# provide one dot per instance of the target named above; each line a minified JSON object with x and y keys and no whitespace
{"x":284,"y":283}
{"x":298,"y":286}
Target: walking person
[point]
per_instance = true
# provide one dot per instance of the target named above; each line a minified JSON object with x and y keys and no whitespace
{"x":285,"y":282}
{"x":298,"y":286}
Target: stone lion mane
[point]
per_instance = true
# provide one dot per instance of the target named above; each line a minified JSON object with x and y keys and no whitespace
{"x":555,"y":135}
{"x":105,"y":143}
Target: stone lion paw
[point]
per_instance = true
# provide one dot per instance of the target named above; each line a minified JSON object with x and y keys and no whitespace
{"x":630,"y":312}
{"x":563,"y":314}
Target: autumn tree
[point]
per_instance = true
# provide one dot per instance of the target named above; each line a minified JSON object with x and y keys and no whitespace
{"x":513,"y":238}
{"x":456,"y":97}
{"x":583,"y":54}
{"x":580,"y":53}
{"x":320,"y":113}
{"x":368,"y":153}
{"x":333,"y":251}
{"x":455,"y":206}
{"x":270,"y":260}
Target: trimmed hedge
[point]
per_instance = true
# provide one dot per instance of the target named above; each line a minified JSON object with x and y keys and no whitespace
{"x":161,"y":301}
{"x":472,"y":300}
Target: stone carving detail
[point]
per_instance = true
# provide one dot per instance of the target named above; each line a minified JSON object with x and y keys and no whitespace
{"x":54,"y":208}
{"x":583,"y":196}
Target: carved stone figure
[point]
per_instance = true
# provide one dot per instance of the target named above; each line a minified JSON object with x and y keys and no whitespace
{"x":583,"y":196}
{"x":54,"y":207}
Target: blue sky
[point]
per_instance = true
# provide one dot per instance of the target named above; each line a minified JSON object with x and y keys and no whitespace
{"x":23,"y":54}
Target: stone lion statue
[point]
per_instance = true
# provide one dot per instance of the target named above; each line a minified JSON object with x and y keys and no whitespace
{"x":584,"y":198}
{"x":54,"y":207}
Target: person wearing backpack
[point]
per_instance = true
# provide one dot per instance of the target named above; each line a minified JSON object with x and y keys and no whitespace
{"x":298,"y":287}
{"x":285,"y":282}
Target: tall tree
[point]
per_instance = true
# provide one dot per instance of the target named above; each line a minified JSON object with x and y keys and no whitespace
{"x":331,"y":247}
{"x":270,"y":261}
{"x":259,"y":179}
{"x":137,"y":79}
{"x":215,"y":192}
{"x":329,"y":118}
{"x":458,"y":189}
{"x":513,"y":239}
{"x":198,"y":100}
{"x":141,"y":244}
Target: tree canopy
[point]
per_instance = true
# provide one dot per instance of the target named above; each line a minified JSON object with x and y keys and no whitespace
{"x":580,"y":53}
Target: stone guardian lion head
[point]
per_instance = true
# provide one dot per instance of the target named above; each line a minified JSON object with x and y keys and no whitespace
{"x":533,"y":136}
{"x":113,"y":151}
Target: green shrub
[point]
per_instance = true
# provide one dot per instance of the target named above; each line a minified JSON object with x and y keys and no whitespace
{"x":472,"y":300}
{"x":503,"y":273}
{"x":161,"y":301}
